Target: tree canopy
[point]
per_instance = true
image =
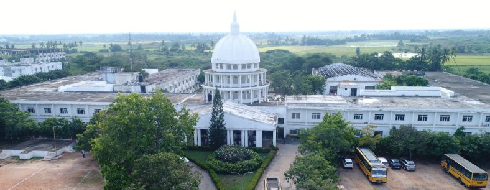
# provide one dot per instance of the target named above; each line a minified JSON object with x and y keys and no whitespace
{"x":217,"y":128}
{"x":134,"y":126}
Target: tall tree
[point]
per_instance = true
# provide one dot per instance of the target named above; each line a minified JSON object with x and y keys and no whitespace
{"x":312,"y":171}
{"x":14,"y":124}
{"x":368,"y":139}
{"x":134,"y":126}
{"x":217,"y":128}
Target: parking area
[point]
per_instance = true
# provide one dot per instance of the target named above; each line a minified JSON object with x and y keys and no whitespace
{"x":428,"y":176}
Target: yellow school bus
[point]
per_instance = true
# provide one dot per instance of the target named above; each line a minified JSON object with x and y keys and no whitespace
{"x":370,"y":165}
{"x":468,"y":173}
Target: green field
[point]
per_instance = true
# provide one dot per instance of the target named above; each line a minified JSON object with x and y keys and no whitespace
{"x":348,"y":49}
{"x":470,"y":60}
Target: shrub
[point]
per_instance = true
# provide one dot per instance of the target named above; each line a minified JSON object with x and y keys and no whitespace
{"x":233,"y":159}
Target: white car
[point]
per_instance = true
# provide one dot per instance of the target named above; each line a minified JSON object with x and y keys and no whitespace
{"x":383,"y":161}
{"x":347,"y":163}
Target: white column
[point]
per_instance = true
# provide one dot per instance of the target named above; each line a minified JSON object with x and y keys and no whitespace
{"x":250,"y":81}
{"x":251,"y":96}
{"x":230,"y":97}
{"x":258,"y":138}
{"x":228,"y":142}
{"x":240,"y":81}
{"x":242,"y":138}
{"x":241,"y":97}
{"x":195,"y":137}
{"x":246,"y":138}
{"x":274,"y":137}
{"x":198,"y":137}
{"x":260,"y":94}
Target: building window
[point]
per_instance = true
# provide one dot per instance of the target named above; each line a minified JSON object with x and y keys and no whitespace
{"x":96,"y":110}
{"x":444,"y":118}
{"x":379,"y":116}
{"x":422,"y":118}
{"x":487,"y":119}
{"x":295,"y":115}
{"x":280,"y":120}
{"x":47,"y":110}
{"x":467,"y":118}
{"x":358,"y":116}
{"x":63,"y":110}
{"x":399,"y":117}
{"x":370,"y":87}
{"x":294,"y":131}
{"x":80,"y":111}
{"x":315,"y":116}
{"x":380,"y":133}
{"x":31,"y":109}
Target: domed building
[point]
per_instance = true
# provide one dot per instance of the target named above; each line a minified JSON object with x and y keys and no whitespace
{"x":235,"y":70}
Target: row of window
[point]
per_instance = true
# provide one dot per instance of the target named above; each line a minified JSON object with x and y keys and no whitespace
{"x":62,"y":110}
{"x":398,"y":117}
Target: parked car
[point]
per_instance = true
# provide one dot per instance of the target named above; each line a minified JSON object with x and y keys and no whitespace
{"x":408,"y":164}
{"x":383,"y":161}
{"x":394,"y":163}
{"x":347,"y":163}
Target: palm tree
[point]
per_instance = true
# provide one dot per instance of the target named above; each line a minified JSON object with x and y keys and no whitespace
{"x":33,"y":45}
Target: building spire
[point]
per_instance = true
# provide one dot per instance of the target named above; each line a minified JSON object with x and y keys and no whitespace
{"x":235,"y":28}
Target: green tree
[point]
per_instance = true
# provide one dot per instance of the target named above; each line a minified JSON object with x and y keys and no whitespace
{"x":312,"y":171}
{"x":317,"y":84}
{"x":407,"y":139}
{"x":134,"y":126}
{"x":165,"y":171}
{"x":368,"y":139}
{"x":115,"y":47}
{"x":14,"y":124}
{"x":282,"y":82}
{"x":201,"y":78}
{"x":333,"y":133}
{"x":217,"y":128}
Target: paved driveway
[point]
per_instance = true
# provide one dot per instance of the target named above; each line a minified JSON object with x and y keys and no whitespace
{"x":206,"y":181}
{"x":284,"y":158}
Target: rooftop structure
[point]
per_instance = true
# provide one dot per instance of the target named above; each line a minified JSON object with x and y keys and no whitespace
{"x":467,"y":87}
{"x":341,"y":69}
{"x":248,"y":112}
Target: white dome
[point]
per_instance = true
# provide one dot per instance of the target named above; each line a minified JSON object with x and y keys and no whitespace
{"x":235,"y":48}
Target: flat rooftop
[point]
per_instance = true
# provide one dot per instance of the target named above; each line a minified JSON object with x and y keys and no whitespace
{"x":422,"y":103}
{"x":48,"y":91}
{"x":242,"y":110}
{"x":463,"y":86}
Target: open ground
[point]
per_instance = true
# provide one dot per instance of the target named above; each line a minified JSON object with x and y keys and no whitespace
{"x":428,"y":176}
{"x":69,"y":172}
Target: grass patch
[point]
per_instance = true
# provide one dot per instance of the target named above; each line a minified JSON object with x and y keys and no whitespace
{"x":198,"y":155}
{"x":463,"y":68}
{"x":236,"y":182}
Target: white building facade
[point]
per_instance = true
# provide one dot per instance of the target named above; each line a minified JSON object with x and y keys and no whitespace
{"x":424,"y":113}
{"x":235,"y":70}
{"x":346,"y":80}
{"x":27,"y":66}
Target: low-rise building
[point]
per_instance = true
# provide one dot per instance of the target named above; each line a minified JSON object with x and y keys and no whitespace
{"x":27,"y":66}
{"x":346,"y":80}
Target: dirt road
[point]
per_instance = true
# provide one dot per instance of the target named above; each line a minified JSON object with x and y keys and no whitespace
{"x":70,"y":172}
{"x":429,"y":176}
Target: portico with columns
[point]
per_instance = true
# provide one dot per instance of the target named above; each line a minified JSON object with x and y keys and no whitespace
{"x":245,"y":126}
{"x":235,"y":70}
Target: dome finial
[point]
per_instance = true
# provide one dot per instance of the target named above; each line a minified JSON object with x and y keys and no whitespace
{"x":235,"y":28}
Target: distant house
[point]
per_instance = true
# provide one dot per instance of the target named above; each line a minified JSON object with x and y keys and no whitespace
{"x":346,"y":80}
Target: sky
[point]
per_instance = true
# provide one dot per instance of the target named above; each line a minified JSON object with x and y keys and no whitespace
{"x":154,"y":16}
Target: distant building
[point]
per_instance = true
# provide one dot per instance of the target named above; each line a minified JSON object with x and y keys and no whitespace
{"x":235,"y":70}
{"x":346,"y":80}
{"x":26,"y":66}
{"x":41,"y":55}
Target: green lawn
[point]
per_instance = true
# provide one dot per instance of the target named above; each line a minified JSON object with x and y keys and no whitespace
{"x":230,"y":181}
{"x":463,"y":68}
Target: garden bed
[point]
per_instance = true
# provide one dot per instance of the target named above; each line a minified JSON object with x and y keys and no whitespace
{"x":230,"y":181}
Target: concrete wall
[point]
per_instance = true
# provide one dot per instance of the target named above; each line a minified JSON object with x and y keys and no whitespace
{"x":72,"y":107}
{"x":354,"y":81}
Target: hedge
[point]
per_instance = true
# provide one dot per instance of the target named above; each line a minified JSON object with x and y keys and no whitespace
{"x":255,"y":179}
{"x":239,"y":166}
{"x":211,"y":172}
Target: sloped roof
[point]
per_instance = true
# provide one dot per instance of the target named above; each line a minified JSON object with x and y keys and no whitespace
{"x":240,"y":110}
{"x":341,"y":69}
